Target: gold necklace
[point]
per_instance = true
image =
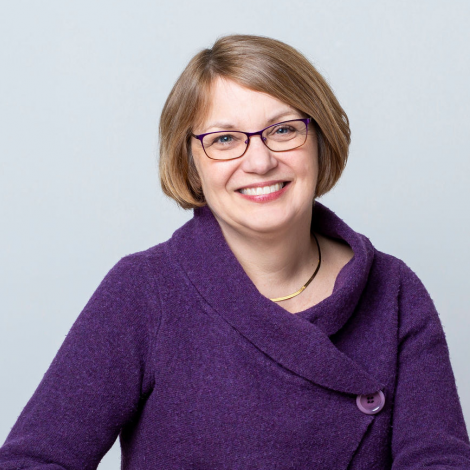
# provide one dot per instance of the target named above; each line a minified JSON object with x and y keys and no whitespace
{"x":279,"y":299}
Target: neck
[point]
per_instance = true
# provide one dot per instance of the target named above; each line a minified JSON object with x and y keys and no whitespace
{"x":277,"y":263}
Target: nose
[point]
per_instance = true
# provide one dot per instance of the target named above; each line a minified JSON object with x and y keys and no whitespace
{"x":258,"y":158}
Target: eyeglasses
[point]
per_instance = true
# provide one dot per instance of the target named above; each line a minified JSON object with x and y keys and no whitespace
{"x":280,"y":137}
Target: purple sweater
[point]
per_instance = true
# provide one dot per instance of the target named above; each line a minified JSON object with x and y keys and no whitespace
{"x":179,"y":355}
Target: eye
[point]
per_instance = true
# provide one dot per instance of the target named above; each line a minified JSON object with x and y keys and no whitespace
{"x":223,"y":139}
{"x":219,"y":139}
{"x":283,"y":130}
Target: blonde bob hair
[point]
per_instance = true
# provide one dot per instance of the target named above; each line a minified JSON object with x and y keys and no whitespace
{"x":260,"y":64}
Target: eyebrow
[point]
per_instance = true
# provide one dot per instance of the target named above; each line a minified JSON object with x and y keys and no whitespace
{"x":225,"y":125}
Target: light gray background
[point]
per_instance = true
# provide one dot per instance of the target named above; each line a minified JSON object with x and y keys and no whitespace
{"x":82,"y":84}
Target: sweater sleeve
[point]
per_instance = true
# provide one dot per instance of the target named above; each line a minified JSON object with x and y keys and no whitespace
{"x":428,"y":424}
{"x":97,"y":381}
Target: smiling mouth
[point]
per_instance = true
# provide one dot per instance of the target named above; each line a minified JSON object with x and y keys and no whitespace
{"x":262,"y":189}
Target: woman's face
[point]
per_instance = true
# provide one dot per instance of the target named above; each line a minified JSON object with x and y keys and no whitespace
{"x":225,"y":182}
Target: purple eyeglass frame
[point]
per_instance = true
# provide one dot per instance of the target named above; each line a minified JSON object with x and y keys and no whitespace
{"x":200,"y":137}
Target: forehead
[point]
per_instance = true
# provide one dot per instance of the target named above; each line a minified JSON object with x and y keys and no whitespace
{"x":231,"y":104}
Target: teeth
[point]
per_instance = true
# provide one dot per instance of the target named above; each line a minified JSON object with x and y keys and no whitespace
{"x":262,"y":190}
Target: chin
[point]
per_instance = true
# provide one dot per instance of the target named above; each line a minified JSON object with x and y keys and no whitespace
{"x":267,"y":222}
{"x":262,"y":219}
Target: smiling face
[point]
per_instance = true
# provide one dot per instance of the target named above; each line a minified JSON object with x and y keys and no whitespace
{"x":286,"y":180}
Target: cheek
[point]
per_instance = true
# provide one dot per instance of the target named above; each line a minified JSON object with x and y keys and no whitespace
{"x":308,"y":167}
{"x":200,"y":165}
{"x":219,"y":176}
{"x":214,"y":176}
{"x":313,"y":163}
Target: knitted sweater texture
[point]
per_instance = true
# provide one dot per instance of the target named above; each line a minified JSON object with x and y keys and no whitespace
{"x":179,"y":355}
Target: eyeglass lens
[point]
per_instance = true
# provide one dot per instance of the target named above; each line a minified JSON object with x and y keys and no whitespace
{"x":226,"y":145}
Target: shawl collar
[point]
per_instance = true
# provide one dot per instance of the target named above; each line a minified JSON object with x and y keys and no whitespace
{"x":300,"y":342}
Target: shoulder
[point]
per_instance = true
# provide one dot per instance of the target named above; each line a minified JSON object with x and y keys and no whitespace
{"x":417,"y":312}
{"x":392,"y":267}
{"x":410,"y":284}
{"x":131,"y":283}
{"x":141,"y":266}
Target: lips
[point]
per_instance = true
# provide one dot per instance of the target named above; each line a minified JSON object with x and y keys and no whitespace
{"x":259,"y":190}
{"x":263,"y":188}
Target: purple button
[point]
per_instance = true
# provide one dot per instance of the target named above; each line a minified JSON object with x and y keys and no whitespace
{"x":371,"y":403}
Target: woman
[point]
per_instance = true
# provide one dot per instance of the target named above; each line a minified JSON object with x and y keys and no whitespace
{"x":266,"y":333}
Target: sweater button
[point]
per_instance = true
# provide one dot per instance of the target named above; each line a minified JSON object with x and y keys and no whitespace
{"x":372,"y":403}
